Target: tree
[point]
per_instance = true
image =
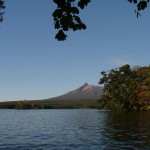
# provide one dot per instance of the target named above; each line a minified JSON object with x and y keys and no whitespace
{"x":66,"y":15}
{"x":22,"y":105}
{"x":143,"y":91}
{"x":118,"y":88}
{"x":126,"y":88}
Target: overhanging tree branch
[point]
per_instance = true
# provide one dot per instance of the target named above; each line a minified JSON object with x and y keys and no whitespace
{"x":2,"y":6}
{"x":66,"y":15}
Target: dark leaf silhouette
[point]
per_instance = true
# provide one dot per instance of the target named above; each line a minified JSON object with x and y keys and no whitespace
{"x":140,"y":4}
{"x":2,"y":6}
{"x":83,"y":3}
{"x":66,"y":15}
{"x":61,"y":36}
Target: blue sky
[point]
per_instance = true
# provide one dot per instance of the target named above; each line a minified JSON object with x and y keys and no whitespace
{"x":33,"y":65}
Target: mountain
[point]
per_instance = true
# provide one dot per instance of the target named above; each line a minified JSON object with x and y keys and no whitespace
{"x":83,"y":97}
{"x":85,"y":92}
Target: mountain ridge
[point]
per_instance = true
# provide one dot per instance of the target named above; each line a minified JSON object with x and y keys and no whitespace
{"x":84,"y":92}
{"x":85,"y":96}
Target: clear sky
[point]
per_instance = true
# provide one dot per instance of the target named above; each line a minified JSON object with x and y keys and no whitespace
{"x":33,"y":65}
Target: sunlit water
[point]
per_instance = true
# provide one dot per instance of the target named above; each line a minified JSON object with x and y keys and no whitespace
{"x":73,"y":129}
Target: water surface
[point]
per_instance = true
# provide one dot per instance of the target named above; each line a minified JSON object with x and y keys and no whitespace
{"x":73,"y":129}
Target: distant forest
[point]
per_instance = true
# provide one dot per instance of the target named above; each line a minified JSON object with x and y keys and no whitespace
{"x":49,"y":105}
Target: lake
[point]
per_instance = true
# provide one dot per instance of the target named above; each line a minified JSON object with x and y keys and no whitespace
{"x":78,"y":129}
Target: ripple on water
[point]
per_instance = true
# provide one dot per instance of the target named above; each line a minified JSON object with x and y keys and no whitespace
{"x":73,"y":129}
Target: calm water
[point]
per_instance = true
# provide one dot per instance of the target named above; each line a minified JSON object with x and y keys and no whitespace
{"x":73,"y":129}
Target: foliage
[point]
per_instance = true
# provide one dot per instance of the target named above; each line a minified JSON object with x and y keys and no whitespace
{"x":66,"y":15}
{"x":126,"y":88}
{"x":2,"y":6}
{"x":143,"y":91}
{"x":56,"y":104}
{"x":140,"y":4}
{"x":22,"y":105}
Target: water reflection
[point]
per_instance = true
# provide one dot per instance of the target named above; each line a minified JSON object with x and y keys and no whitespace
{"x":126,"y":130}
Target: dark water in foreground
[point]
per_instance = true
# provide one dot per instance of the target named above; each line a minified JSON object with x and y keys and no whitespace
{"x":73,"y":129}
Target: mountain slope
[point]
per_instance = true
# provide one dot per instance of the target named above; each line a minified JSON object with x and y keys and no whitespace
{"x":85,"y":92}
{"x":84,"y":97}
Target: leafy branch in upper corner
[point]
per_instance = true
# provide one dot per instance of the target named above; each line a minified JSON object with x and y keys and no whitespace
{"x":2,"y":6}
{"x":140,"y":4}
{"x":66,"y":17}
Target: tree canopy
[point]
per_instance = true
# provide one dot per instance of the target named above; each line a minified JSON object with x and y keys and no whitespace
{"x":66,"y":15}
{"x":126,"y":88}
